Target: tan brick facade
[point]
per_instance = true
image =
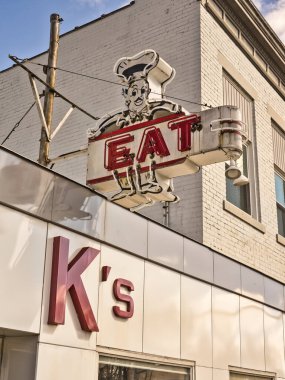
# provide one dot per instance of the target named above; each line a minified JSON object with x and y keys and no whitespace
{"x":222,"y":230}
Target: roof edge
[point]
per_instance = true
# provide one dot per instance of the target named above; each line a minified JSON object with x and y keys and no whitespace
{"x":262,"y":24}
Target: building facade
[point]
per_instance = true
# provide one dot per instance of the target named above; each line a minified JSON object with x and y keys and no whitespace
{"x":222,"y":52}
{"x":209,"y":289}
{"x":159,"y":305}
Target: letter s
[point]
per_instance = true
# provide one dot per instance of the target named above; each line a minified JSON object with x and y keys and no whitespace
{"x":118,"y":284}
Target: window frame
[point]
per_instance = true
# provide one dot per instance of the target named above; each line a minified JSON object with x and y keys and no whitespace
{"x":250,"y":145}
{"x":251,"y":373}
{"x":146,"y":362}
{"x":251,"y":376}
{"x":278,"y":172}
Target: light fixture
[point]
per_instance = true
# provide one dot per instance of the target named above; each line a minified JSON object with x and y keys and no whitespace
{"x":233,"y":172}
{"x":241,"y":181}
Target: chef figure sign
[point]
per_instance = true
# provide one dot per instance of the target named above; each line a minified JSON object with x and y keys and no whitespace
{"x":152,"y":140}
{"x":144,"y":78}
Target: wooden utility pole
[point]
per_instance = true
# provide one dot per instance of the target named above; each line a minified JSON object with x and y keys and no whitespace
{"x":49,"y":94}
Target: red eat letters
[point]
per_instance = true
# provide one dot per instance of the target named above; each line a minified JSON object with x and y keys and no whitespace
{"x":152,"y":142}
{"x":66,"y":277}
{"x":118,"y":155}
{"x":184,"y":134}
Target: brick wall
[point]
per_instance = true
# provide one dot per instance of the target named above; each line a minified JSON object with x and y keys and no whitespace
{"x":221,"y":230}
{"x":167,"y":26}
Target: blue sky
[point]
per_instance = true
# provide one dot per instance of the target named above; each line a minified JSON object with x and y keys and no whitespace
{"x":274,"y":12}
{"x":24,"y":27}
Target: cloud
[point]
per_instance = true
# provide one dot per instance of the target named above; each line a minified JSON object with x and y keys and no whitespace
{"x":275,"y":17}
{"x":90,"y":3}
{"x":258,"y":4}
{"x":123,"y":3}
{"x":274,"y":13}
{"x":103,"y":3}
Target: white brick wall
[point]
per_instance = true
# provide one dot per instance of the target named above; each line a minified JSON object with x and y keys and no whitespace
{"x":221,"y":230}
{"x":171,"y":28}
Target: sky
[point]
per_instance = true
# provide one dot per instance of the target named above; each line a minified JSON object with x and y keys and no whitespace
{"x":274,"y":12}
{"x":25,"y":24}
{"x":24,"y":27}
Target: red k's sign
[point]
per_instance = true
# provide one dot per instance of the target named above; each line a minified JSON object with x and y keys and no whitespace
{"x":66,"y":277}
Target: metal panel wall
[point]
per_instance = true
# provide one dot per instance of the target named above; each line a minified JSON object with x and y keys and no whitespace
{"x":62,"y":362}
{"x":226,"y":329}
{"x":252,"y":334}
{"x":113,"y":331}
{"x":174,"y":316}
{"x":161,"y":329}
{"x":196,"y":322}
{"x":23,"y":244}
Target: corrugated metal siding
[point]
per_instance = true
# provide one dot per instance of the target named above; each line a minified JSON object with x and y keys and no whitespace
{"x":278,"y":146}
{"x":235,"y":96}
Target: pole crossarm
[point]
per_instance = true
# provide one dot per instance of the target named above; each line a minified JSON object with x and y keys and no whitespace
{"x":14,"y":59}
{"x":39,"y":104}
{"x":62,"y":122}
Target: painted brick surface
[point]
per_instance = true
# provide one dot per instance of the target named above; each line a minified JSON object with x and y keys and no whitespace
{"x":221,"y":230}
{"x":93,"y":50}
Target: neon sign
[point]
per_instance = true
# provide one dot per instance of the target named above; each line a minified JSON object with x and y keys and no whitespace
{"x":134,"y":154}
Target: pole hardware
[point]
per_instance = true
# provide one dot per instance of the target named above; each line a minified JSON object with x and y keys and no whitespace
{"x":46,"y":112}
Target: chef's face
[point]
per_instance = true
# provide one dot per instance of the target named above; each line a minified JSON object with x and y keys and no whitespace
{"x":137,"y":95}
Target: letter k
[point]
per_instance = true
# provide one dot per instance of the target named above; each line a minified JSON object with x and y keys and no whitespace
{"x":67,"y":277}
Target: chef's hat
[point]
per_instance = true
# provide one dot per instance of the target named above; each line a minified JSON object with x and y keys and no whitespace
{"x":138,"y":66}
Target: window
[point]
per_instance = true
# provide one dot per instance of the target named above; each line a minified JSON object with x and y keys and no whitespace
{"x":278,"y":136}
{"x":239,"y":195}
{"x":111,"y":368}
{"x":242,"y":196}
{"x":18,"y":360}
{"x":239,"y":376}
{"x":279,"y":161}
{"x":280,"y":202}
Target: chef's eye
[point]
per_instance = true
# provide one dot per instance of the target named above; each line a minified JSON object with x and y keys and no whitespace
{"x":143,"y":90}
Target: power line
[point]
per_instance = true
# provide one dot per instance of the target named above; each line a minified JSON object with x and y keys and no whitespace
{"x":34,"y":76}
{"x":17,"y":124}
{"x":106,"y":81}
{"x":83,"y":75}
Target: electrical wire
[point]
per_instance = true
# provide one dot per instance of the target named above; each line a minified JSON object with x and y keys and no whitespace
{"x":25,"y":60}
{"x":17,"y":124}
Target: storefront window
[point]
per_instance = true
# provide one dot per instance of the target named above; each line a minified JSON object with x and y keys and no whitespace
{"x":122,"y":369}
